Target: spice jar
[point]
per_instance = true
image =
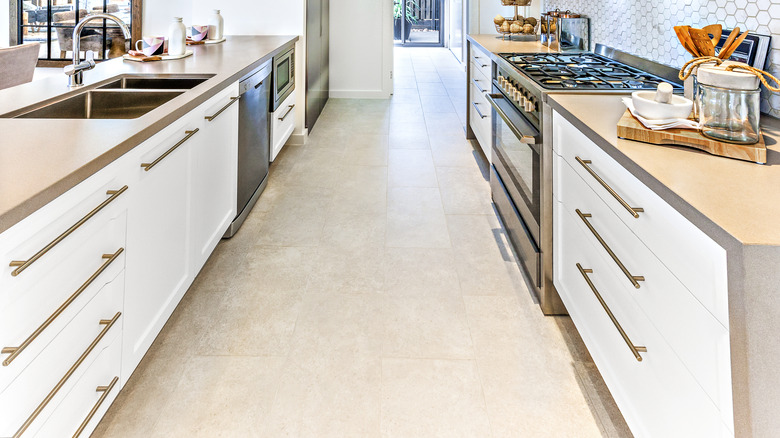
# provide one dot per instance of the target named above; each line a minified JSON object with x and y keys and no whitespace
{"x":729,"y":105}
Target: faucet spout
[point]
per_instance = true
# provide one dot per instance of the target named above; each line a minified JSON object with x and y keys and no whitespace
{"x":75,"y":71}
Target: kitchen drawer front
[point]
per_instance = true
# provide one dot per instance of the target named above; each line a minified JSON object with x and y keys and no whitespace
{"x":283,"y":124}
{"x":50,"y":236}
{"x":482,"y":126}
{"x":97,"y":388}
{"x":477,"y":75}
{"x":482,"y":60}
{"x":696,"y":337}
{"x":657,"y":395}
{"x":62,"y":363}
{"x":694,"y":258}
{"x":30,"y":318}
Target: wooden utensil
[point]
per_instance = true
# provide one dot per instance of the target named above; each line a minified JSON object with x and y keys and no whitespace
{"x":726,"y":53}
{"x":732,"y":36}
{"x":701,"y":39}
{"x":716,"y":30}
{"x":685,"y":40}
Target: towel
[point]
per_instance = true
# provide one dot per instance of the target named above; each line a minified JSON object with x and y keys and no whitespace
{"x":658,"y":125}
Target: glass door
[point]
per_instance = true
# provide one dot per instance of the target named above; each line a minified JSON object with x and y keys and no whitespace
{"x":418,"y":22}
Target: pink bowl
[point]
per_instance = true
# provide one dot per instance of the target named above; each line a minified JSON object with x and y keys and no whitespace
{"x":200,"y":32}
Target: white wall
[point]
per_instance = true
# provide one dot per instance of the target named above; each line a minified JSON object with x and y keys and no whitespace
{"x":361,"y":48}
{"x":159,"y":13}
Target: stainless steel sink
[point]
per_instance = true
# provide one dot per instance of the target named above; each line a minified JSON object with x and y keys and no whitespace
{"x":99,"y":104}
{"x":157,"y":82}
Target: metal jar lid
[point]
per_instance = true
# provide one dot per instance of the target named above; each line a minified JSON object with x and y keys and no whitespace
{"x":569,"y":14}
{"x":718,"y":76}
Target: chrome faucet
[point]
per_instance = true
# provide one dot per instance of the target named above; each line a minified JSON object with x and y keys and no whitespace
{"x":75,"y":71}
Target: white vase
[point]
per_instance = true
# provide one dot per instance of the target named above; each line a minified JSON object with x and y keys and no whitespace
{"x":216,"y":25}
{"x":177,"y":37}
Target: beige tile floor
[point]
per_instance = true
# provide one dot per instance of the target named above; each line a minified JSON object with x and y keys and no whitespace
{"x":370,"y":293}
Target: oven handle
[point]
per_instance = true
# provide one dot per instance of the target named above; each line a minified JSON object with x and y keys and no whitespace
{"x":524,"y":138}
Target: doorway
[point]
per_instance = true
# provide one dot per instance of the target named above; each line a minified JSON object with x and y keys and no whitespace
{"x":418,"y":23}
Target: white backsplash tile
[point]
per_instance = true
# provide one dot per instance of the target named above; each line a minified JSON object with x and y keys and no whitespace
{"x":645,"y":28}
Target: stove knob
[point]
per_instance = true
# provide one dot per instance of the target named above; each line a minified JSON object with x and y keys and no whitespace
{"x":530,"y":106}
{"x":522,"y":100}
{"x":501,"y":81}
{"x":517,"y":96}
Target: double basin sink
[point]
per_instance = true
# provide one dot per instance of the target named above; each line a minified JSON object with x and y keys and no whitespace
{"x":122,"y":97}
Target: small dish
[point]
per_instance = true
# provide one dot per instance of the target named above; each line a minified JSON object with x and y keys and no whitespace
{"x":646,"y":106}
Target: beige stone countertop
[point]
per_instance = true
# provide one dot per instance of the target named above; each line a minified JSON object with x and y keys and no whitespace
{"x":495,"y":44}
{"x":41,"y":159}
{"x":739,"y":197}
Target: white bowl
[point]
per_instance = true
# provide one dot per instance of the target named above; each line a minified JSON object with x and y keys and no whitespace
{"x":646,"y":106}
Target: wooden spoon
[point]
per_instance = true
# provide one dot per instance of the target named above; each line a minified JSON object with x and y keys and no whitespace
{"x":732,"y":36}
{"x":701,"y":39}
{"x":726,"y":53}
{"x":685,"y":40}
{"x":716,"y":30}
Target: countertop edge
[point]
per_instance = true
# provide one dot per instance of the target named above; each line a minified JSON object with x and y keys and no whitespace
{"x":699,"y":219}
{"x":21,"y":211}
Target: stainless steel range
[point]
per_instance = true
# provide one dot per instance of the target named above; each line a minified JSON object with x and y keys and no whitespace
{"x":521,"y":172}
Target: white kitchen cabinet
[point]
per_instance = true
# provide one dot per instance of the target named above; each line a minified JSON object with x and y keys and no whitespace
{"x":684,"y":376}
{"x":214,"y":168}
{"x":158,"y":256}
{"x":282,"y":124}
{"x":480,"y":119}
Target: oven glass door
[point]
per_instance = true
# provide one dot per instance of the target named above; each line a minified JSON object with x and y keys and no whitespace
{"x":517,"y":151}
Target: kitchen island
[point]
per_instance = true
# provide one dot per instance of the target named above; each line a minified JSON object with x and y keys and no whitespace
{"x":105,"y":223}
{"x":732,"y":202}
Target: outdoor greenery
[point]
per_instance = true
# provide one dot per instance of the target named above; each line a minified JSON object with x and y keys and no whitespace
{"x":410,"y":4}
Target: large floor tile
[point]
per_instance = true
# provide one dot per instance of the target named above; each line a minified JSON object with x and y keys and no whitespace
{"x":411,"y":168}
{"x":427,"y":230}
{"x":420,"y":272}
{"x":464,"y":191}
{"x":431,"y":327}
{"x":348,"y":269}
{"x":432,"y":398}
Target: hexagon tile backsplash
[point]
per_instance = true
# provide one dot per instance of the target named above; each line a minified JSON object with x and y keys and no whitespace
{"x":645,"y":28}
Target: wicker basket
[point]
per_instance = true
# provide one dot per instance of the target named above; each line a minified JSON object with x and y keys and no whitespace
{"x":535,"y":31}
{"x":515,"y":2}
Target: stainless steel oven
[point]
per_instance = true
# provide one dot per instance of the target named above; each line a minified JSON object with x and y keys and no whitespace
{"x":516,"y":181}
{"x":283,"y":77}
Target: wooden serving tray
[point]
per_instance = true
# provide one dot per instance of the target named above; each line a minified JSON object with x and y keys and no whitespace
{"x":630,"y":128}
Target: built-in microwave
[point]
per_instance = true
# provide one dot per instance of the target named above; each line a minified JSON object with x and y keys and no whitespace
{"x":283,"y":77}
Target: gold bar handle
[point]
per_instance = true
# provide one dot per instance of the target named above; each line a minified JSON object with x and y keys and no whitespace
{"x":635,"y":349}
{"x":634,"y":279}
{"x":633,"y":210}
{"x":108,"y":323}
{"x":287,"y":113}
{"x":21,"y":265}
{"x":105,"y":391}
{"x":16,"y":351}
{"x":148,"y":166}
{"x":216,"y":114}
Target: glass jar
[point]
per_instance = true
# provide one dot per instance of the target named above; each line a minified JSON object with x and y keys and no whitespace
{"x":730,"y":115}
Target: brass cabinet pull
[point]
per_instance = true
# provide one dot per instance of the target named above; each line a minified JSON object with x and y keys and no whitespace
{"x":216,"y":114}
{"x":633,"y":210}
{"x":289,"y":110}
{"x":16,"y":351}
{"x":634,"y":279}
{"x":635,"y":349}
{"x":148,"y":166}
{"x":105,"y":390}
{"x":482,"y":116}
{"x":21,"y":265}
{"x":108,"y":323}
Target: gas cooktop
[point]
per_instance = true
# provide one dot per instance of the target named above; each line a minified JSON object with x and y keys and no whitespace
{"x":582,"y":71}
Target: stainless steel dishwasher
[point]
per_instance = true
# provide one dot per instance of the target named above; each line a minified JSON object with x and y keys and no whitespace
{"x":253,"y":142}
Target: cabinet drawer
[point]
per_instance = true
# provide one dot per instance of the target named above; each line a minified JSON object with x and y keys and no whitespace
{"x":45,"y":382}
{"x":657,"y":395}
{"x":696,"y":337}
{"x":482,"y":126}
{"x":695,"y":259}
{"x":482,"y":60}
{"x":36,"y":246}
{"x":31,"y":317}
{"x":97,"y":389}
{"x":282,"y":124}
{"x":477,"y":75}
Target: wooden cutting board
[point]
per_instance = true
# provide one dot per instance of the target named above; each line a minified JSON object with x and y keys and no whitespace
{"x":630,"y":128}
